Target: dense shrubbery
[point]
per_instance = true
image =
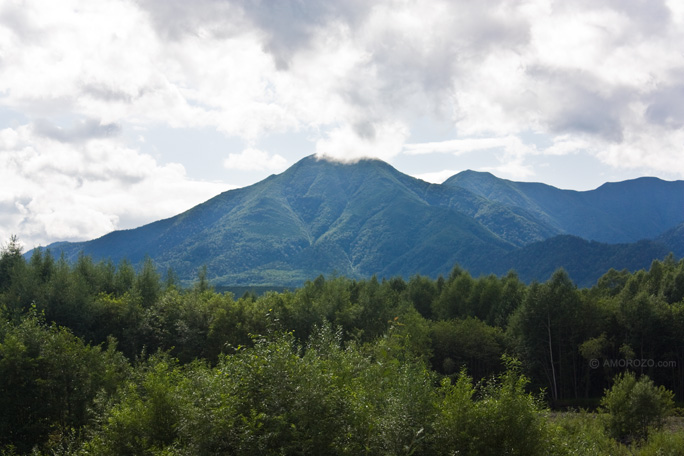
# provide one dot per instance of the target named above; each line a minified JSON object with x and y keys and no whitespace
{"x":634,"y":406}
{"x":49,"y":379}
{"x":97,"y":358}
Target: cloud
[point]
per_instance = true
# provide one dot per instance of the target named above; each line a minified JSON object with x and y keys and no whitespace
{"x":255,"y":160}
{"x":514,"y":168}
{"x":566,"y":145}
{"x":666,"y":106}
{"x":437,"y":177}
{"x":55,"y":190}
{"x":577,"y":102}
{"x":364,"y":140}
{"x":177,"y":20}
{"x":286,"y":27}
{"x":290,"y":26}
{"x":511,"y":151}
{"x":509,"y":144}
{"x":489,"y":69}
{"x":83,"y":131}
{"x":651,"y":147}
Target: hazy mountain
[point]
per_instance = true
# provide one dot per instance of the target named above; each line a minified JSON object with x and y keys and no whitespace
{"x":368,"y":218}
{"x":618,"y":212}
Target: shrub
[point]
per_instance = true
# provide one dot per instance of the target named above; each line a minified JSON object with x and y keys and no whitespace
{"x":633,"y":406}
{"x":582,"y":433}
{"x":495,"y":417}
{"x":663,"y":443}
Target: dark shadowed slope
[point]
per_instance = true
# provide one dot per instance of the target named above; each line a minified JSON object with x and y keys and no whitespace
{"x":585,"y":261}
{"x":673,"y":239}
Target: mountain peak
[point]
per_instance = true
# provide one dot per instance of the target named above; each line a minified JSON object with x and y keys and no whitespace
{"x":323,"y":170}
{"x":472,"y":173}
{"x":469,"y":177}
{"x":343,"y":161}
{"x":642,"y":182}
{"x":327,"y":162}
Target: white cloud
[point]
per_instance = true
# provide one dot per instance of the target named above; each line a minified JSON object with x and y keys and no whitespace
{"x":437,"y":177}
{"x":566,"y":144}
{"x":514,"y":168}
{"x":651,"y":147}
{"x":509,"y":144}
{"x":255,"y":160}
{"x":366,"y":140}
{"x":59,"y":191}
{"x":492,"y":69}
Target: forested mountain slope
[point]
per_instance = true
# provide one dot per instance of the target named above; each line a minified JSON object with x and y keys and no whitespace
{"x":617,"y":212}
{"x":324,"y":217}
{"x":674,"y":240}
{"x":585,"y":261}
{"x":366,"y":218}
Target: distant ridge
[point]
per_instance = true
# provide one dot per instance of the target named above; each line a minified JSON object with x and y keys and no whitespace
{"x":617,"y":212}
{"x":366,"y":218}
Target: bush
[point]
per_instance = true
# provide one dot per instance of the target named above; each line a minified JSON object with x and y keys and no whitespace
{"x":48,"y":380}
{"x":582,"y":433}
{"x":495,"y":417}
{"x":634,"y":406}
{"x":663,"y":443}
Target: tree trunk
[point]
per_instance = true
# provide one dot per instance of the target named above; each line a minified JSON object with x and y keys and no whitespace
{"x":553,"y":368}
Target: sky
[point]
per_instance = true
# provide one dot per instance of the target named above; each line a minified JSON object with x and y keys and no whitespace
{"x":116,"y":113}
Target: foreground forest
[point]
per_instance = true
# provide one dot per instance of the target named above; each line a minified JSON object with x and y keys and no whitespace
{"x":98,"y":358}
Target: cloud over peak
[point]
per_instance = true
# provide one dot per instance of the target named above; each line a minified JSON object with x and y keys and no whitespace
{"x":248,"y":68}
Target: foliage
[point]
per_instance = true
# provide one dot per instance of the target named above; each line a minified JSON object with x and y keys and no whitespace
{"x":663,"y":443}
{"x":504,"y":419}
{"x":337,"y":366}
{"x":583,"y":434}
{"x":270,"y":399}
{"x":547,"y":328}
{"x":466,"y":343}
{"x":48,"y":381}
{"x":635,"y":405}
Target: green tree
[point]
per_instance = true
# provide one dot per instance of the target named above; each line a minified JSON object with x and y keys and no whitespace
{"x":148,"y":283}
{"x":48,"y":381}
{"x":203,"y":283}
{"x":466,"y":343}
{"x":422,"y":292}
{"x":485,"y":297}
{"x":145,"y":415}
{"x":15,"y":285}
{"x":124,"y":278}
{"x":634,"y":406}
{"x":10,"y":260}
{"x":511,"y":297}
{"x":496,"y":417}
{"x":546,"y":331}
{"x":612,"y":282}
{"x":453,"y":302}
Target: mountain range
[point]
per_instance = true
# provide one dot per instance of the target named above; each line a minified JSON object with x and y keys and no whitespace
{"x":367,"y":218}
